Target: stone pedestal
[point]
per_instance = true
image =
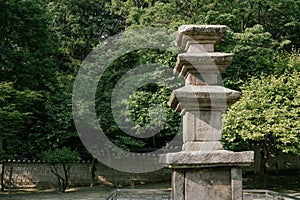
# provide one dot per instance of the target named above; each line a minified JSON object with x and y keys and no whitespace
{"x":203,"y":169}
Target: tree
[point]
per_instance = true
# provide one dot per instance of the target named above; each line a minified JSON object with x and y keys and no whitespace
{"x":267,"y":115}
{"x":108,"y":82}
{"x":254,"y":51}
{"x":44,"y":42}
{"x":27,"y":53}
{"x":254,"y":47}
{"x":154,"y":14}
{"x":26,"y":62}
{"x":29,"y":58}
{"x":15,"y":116}
{"x":282,"y":19}
{"x":252,"y":35}
{"x":59,"y":161}
{"x":279,"y":17}
{"x":59,"y":115}
{"x":149,"y":110}
{"x":81,"y":25}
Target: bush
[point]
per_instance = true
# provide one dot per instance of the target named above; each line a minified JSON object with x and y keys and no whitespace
{"x":267,"y":115}
{"x":60,"y":158}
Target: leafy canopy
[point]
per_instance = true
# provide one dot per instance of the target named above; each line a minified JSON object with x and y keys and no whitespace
{"x":268,"y":112}
{"x":56,"y":156}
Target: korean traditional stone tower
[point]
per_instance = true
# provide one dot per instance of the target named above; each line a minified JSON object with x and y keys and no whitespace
{"x":203,"y":169}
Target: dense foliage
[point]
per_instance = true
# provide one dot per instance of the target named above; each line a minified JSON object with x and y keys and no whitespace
{"x":27,"y":72}
{"x":267,"y":116}
{"x":44,"y":42}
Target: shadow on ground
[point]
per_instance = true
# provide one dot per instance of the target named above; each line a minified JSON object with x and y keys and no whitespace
{"x":289,"y":182}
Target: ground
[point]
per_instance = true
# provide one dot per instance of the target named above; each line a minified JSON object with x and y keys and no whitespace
{"x":78,"y":193}
{"x":50,"y":193}
{"x":287,"y":183}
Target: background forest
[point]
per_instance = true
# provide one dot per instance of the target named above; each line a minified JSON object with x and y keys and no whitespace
{"x":43,"y":44}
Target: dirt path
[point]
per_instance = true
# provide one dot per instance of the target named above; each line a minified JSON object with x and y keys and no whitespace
{"x":84,"y":193}
{"x":102,"y":192}
{"x":78,"y":193}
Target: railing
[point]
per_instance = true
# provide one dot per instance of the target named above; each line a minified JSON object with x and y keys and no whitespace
{"x":156,"y":194}
{"x":140,"y":194}
{"x":266,"y":195}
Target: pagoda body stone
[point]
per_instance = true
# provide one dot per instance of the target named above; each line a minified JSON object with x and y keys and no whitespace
{"x":203,"y":169}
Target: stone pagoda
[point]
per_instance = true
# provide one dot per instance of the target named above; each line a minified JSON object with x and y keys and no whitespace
{"x":203,"y":169}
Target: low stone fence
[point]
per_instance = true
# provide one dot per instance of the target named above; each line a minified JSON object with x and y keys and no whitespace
{"x":38,"y":174}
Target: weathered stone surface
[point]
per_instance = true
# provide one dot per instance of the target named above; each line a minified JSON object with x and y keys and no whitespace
{"x":202,"y":78}
{"x":236,"y":183}
{"x":195,"y":97}
{"x":198,"y":30}
{"x":201,"y":34}
{"x":196,"y":47}
{"x":206,"y":61}
{"x":202,"y":126}
{"x":208,"y":184}
{"x":200,"y":159}
{"x":178,"y":184}
{"x":202,"y":146}
{"x":209,"y":126}
{"x":189,"y":127}
{"x":207,"y":92}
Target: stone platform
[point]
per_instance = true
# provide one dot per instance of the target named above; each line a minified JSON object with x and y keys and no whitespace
{"x":204,"y":159}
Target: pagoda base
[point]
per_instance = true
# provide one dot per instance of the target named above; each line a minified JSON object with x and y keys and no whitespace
{"x":206,"y":175}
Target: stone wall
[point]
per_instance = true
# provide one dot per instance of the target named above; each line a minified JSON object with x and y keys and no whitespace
{"x":38,"y":174}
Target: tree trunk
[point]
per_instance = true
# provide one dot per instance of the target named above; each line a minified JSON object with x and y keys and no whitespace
{"x":259,"y":13}
{"x":93,"y":170}
{"x":263,"y":163}
{"x":242,"y":25}
{"x":152,"y":2}
{"x":66,"y":177}
{"x":153,"y":141}
{"x":60,"y":179}
{"x":2,"y":175}
{"x":9,"y":180}
{"x":3,"y":163}
{"x":62,"y":176}
{"x":265,"y":154}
